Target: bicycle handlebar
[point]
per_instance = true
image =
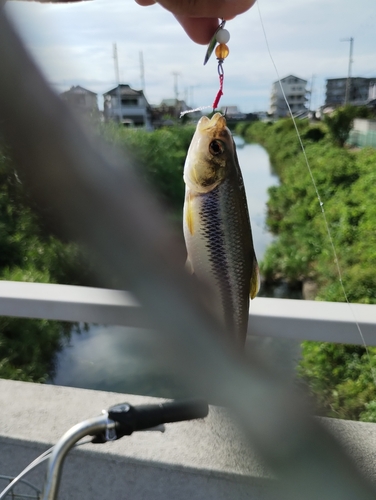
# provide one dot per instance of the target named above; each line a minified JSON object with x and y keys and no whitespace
{"x":121,"y":420}
{"x":137,"y":418}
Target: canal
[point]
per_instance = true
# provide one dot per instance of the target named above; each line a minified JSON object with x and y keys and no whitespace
{"x":121,"y":359}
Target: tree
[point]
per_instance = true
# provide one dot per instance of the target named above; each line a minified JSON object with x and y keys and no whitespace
{"x":340,"y":123}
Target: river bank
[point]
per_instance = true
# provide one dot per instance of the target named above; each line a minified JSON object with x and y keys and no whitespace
{"x":338,"y":268}
{"x":301,"y":250}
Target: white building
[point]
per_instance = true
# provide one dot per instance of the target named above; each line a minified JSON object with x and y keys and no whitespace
{"x":127,"y":106}
{"x":295,"y":91}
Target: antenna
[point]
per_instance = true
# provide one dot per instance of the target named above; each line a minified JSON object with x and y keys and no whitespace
{"x":348,"y":83}
{"x":311,"y":92}
{"x":142,"y":72}
{"x":116,"y":63}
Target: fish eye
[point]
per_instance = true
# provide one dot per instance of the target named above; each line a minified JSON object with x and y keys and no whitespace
{"x":216,"y":147}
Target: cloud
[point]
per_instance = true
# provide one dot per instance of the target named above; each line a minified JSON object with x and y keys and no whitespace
{"x":74,"y":43}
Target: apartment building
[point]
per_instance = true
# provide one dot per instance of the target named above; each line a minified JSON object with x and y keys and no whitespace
{"x":360,"y":91}
{"x":295,"y":90}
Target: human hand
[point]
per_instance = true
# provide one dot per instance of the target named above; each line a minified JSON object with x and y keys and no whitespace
{"x":199,"y":18}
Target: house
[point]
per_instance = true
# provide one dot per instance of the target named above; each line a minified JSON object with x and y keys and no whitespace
{"x":359,"y":93}
{"x":81,"y":99}
{"x":168,"y":112}
{"x":173,"y":107}
{"x":127,"y":106}
{"x":295,"y":91}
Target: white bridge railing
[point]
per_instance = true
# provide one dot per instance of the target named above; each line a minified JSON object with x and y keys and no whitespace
{"x":294,"y":319}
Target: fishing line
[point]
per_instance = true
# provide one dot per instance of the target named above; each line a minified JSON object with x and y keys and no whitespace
{"x":336,"y":261}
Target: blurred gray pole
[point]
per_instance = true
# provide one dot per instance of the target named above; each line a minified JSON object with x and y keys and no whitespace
{"x":97,"y":199}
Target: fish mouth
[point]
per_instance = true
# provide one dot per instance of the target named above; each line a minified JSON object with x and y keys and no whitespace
{"x":216,"y":122}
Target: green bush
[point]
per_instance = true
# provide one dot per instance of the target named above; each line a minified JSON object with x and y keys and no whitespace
{"x":160,"y":158}
{"x":340,"y":378}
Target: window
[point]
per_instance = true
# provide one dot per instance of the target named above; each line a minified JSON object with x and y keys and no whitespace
{"x":77,"y":99}
{"x":126,"y":101}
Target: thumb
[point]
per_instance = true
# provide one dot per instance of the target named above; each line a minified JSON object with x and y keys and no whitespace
{"x":224,"y":9}
{"x":199,"y":29}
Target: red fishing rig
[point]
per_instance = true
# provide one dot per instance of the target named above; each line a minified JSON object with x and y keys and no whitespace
{"x":218,"y":42}
{"x":220,"y":37}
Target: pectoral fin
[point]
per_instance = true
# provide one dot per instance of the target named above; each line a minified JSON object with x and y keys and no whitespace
{"x":255,"y":280}
{"x":189,"y":214}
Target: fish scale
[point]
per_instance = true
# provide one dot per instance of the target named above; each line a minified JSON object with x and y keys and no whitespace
{"x":213,"y":234}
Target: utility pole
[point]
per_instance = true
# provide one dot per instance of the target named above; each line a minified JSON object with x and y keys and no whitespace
{"x":176,"y":89}
{"x":191,"y":100}
{"x":348,"y":83}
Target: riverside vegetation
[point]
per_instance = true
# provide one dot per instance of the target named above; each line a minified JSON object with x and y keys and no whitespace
{"x":339,"y":376}
{"x":29,"y":252}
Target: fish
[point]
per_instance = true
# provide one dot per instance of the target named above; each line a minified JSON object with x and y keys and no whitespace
{"x":216,"y":225}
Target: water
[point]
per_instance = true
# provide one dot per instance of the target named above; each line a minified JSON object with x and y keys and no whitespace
{"x":116,"y":359}
{"x":121,"y":359}
{"x":258,"y":176}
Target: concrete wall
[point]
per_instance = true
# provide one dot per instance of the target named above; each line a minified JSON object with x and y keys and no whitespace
{"x":204,"y":459}
{"x":363,"y":125}
{"x":363,"y":133}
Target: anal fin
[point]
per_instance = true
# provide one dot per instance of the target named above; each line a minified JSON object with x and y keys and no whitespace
{"x":188,"y":266}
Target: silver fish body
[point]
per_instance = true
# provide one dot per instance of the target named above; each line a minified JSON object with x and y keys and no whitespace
{"x":217,"y":228}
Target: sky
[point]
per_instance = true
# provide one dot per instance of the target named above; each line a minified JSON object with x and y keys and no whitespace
{"x":73,"y":45}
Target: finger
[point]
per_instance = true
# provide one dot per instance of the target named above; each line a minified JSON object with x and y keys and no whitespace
{"x":145,"y":3}
{"x":199,"y":29}
{"x":224,"y":9}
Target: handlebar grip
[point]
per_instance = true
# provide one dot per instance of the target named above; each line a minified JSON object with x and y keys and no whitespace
{"x":137,"y":418}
